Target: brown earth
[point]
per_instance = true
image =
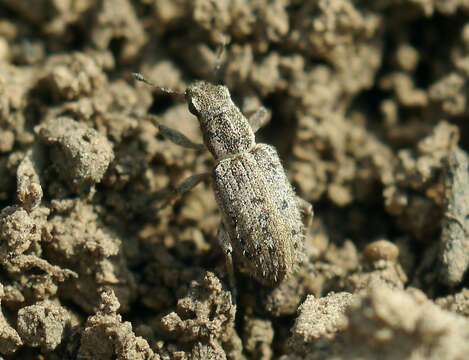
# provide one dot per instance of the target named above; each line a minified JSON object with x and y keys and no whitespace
{"x":370,"y":114}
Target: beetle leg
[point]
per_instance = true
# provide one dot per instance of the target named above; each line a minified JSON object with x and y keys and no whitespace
{"x":307,"y":210}
{"x":189,"y":183}
{"x":225,"y":243}
{"x":259,"y":119}
{"x":164,"y":197}
{"x":175,"y":136}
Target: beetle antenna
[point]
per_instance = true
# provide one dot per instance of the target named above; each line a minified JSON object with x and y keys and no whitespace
{"x":221,"y":48}
{"x":141,"y":78}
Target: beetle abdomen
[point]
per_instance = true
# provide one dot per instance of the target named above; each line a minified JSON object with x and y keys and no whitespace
{"x":259,"y":208}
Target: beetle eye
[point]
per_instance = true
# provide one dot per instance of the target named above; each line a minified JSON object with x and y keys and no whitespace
{"x":192,"y":108}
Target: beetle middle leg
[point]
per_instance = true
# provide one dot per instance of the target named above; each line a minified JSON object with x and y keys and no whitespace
{"x":164,"y":197}
{"x":175,"y":136}
{"x":187,"y":185}
{"x":306,"y":209}
{"x":259,"y":119}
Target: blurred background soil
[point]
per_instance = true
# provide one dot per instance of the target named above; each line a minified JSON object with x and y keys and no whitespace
{"x":369,"y":111}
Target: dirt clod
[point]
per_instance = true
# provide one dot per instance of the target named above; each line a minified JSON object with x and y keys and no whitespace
{"x":81,"y":154}
{"x":106,"y":336}
{"x":368,"y":104}
{"x":43,"y":325}
{"x":10,"y":341}
{"x":455,"y":223}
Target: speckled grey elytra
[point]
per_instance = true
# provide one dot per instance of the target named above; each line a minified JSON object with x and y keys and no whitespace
{"x":262,"y":224}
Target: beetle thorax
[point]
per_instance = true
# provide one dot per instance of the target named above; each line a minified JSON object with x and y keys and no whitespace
{"x":225,"y":130}
{"x":227,"y":133}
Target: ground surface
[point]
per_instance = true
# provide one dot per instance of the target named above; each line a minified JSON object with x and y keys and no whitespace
{"x":369,"y":112}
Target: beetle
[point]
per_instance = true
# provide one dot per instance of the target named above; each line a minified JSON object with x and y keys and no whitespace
{"x":263,"y":220}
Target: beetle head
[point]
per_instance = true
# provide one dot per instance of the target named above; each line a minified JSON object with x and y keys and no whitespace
{"x":205,"y":99}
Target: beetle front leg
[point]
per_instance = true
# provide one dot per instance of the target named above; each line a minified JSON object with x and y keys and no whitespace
{"x":259,"y":119}
{"x":306,"y":209}
{"x":225,"y":244}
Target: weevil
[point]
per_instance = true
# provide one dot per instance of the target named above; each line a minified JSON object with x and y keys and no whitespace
{"x":263,"y":220}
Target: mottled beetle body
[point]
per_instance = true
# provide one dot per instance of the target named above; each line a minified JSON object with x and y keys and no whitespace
{"x":262,"y":223}
{"x":259,"y":208}
{"x":260,"y":213}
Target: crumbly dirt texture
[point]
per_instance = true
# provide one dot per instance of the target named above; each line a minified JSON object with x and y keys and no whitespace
{"x":369,"y":111}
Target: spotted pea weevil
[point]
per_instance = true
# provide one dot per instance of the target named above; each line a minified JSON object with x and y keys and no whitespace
{"x":262,"y":225}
